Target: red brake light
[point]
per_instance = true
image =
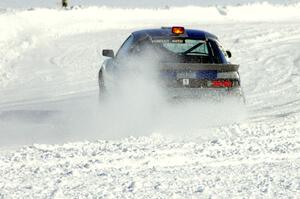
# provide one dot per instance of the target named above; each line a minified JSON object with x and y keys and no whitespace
{"x":227,"y":84}
{"x":222,"y":83}
{"x":178,"y":30}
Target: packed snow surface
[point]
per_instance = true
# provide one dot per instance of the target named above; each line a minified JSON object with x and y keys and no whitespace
{"x":57,"y":141}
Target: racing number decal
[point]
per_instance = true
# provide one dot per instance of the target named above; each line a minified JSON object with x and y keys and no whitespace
{"x":185,"y":82}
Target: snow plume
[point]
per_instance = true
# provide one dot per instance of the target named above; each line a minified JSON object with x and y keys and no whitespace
{"x":141,"y":106}
{"x":137,"y":105}
{"x":136,"y":101}
{"x":141,"y":114}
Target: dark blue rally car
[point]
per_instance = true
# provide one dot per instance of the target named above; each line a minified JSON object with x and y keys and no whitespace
{"x":189,"y":63}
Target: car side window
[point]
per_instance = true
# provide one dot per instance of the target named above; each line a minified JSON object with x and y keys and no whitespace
{"x":140,"y":46}
{"x":126,"y":46}
{"x":223,"y":52}
{"x":222,"y":49}
{"x":217,"y":54}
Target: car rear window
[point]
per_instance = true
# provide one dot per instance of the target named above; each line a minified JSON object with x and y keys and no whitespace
{"x":183,"y":46}
{"x":166,"y":49}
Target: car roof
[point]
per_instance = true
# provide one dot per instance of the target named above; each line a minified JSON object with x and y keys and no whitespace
{"x":166,"y":32}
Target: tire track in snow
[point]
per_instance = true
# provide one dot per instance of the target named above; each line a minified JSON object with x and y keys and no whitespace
{"x":271,"y":88}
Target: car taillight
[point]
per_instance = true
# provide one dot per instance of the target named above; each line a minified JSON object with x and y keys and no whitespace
{"x":221,"y":83}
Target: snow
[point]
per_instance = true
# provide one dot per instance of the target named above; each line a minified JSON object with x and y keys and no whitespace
{"x":133,"y":3}
{"x":58,"y":142}
{"x":260,"y":160}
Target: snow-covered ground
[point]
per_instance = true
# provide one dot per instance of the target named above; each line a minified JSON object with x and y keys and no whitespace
{"x":58,"y":142}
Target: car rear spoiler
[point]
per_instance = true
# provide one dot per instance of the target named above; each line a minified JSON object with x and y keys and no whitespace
{"x":197,"y":67}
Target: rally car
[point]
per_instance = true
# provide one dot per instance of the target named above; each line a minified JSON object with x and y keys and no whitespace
{"x":189,"y":63}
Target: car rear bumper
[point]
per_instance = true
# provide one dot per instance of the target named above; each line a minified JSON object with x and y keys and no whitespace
{"x":204,"y":93}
